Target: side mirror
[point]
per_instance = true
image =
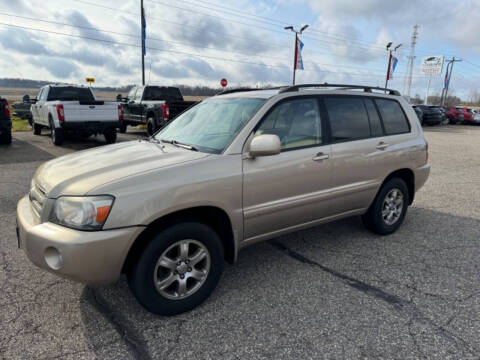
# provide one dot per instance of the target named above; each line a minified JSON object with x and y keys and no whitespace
{"x":265,"y":145}
{"x":119,"y":97}
{"x":26,"y":98}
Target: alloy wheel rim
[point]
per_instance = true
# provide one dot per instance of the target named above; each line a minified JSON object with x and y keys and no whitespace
{"x":181,"y":269}
{"x":392,"y":206}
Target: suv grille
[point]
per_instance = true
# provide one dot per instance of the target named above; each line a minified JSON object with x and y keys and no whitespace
{"x":37,"y":199}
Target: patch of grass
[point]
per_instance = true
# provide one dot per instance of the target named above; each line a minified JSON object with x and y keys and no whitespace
{"x":20,"y":124}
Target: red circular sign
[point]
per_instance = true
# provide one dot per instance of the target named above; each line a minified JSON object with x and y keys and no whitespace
{"x":223,"y":82}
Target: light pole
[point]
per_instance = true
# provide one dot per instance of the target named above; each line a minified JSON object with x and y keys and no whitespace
{"x":390,"y":51}
{"x":295,"y":57}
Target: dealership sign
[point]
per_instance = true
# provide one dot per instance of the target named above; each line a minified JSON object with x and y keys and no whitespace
{"x":432,"y":65}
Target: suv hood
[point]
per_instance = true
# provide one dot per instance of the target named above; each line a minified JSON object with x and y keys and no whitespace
{"x":81,"y":172}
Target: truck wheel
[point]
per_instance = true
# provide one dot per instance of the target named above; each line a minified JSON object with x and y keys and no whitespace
{"x":30,"y":120}
{"x":151,"y":126}
{"x":37,"y":129}
{"x":122,"y":128}
{"x":110,"y":135}
{"x":56,"y":133}
{"x":178,"y":269}
{"x":389,"y":208}
{"x":5,"y":137}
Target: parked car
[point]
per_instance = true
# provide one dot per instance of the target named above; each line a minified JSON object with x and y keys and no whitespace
{"x":419,"y":113}
{"x":454,"y":115}
{"x":73,"y":109}
{"x":236,"y":169}
{"x":152,"y":105}
{"x":431,"y":115}
{"x":22,"y":109}
{"x":467,"y":115}
{"x":476,"y":117}
{"x":5,"y":123}
{"x":445,"y":119}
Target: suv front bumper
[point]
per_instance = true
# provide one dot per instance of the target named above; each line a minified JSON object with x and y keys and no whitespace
{"x":91,"y":257}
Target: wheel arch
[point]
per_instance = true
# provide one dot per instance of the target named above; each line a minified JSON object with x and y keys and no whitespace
{"x":212,"y":216}
{"x":406,"y":175}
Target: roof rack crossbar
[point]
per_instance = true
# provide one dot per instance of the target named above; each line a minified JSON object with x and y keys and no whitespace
{"x":230,"y":91}
{"x":365,"y":88}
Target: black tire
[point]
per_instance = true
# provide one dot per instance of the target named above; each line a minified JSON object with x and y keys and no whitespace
{"x":373,"y":219}
{"x":57,"y":134}
{"x":5,"y":137}
{"x":37,"y":129}
{"x":151,"y":126}
{"x":141,"y":274}
{"x":110,"y":135}
{"x":30,"y":120}
{"x":122,"y":128}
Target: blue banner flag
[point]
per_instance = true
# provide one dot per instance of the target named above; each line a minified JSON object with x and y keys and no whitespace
{"x":298,"y":53}
{"x":144,"y":33}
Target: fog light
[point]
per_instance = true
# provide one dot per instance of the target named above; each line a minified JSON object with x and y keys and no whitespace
{"x":53,"y":258}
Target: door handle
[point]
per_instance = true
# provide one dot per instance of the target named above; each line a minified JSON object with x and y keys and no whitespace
{"x":320,"y":156}
{"x":382,"y":146}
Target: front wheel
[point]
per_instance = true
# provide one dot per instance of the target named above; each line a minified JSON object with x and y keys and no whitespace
{"x":37,"y":129}
{"x":389,"y":208}
{"x":178,"y":269}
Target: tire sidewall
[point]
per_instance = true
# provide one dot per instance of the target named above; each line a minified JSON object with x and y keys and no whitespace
{"x":140,"y":277}
{"x":380,"y":226}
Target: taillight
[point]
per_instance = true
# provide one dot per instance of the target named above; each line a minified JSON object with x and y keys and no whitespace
{"x":120,"y":113}
{"x":426,"y":156}
{"x":60,"y":112}
{"x":7,"y":109}
{"x":165,"y":111}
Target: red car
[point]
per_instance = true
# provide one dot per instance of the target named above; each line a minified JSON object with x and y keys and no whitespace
{"x":455,"y":116}
{"x":467,"y":114}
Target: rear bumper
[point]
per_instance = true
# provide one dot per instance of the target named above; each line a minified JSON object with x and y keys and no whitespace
{"x":94,"y":126}
{"x":91,"y":257}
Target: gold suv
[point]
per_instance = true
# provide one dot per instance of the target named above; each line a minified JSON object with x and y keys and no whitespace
{"x":238,"y":168}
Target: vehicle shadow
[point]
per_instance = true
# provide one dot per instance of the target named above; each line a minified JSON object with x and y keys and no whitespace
{"x":320,"y":279}
{"x":21,"y":151}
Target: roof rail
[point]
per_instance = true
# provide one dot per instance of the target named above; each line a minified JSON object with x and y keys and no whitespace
{"x":365,"y":88}
{"x":230,"y":91}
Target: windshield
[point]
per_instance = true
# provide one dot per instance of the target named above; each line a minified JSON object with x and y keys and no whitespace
{"x":211,"y":125}
{"x":69,"y":93}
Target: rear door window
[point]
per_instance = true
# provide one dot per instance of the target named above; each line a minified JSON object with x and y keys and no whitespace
{"x":393,"y":117}
{"x":348,"y":118}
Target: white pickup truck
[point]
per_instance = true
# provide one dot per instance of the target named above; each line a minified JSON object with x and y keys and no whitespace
{"x":73,"y":109}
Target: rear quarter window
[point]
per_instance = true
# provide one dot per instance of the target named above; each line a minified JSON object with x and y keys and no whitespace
{"x":394,"y":119}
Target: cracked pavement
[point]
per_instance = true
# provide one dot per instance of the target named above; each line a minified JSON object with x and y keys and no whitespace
{"x":333,"y":291}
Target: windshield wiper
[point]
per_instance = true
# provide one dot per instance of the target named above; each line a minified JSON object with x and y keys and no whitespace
{"x":179,"y":144}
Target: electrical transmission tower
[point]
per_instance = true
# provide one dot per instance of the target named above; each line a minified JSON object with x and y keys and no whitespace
{"x":411,"y":58}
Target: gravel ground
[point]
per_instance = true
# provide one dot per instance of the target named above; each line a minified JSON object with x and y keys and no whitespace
{"x":334,"y":291}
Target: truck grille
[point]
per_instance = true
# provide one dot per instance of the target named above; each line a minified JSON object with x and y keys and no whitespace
{"x":37,"y":199}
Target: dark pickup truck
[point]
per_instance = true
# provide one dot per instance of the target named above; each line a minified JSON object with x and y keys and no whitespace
{"x":154,"y":106}
{"x":5,"y":123}
{"x":22,"y":109}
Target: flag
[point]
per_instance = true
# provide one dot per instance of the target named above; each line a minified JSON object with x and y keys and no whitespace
{"x":144,"y":33}
{"x":298,"y":55}
{"x":392,"y":64}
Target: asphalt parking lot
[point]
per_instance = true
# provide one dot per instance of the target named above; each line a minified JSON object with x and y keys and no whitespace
{"x":334,"y":291}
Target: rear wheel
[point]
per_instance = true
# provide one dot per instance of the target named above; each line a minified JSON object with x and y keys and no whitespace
{"x":151,"y":126}
{"x":110,"y":135}
{"x":178,"y":269}
{"x":56,"y":133}
{"x":389,"y":208}
{"x":122,"y":128}
{"x":5,"y":136}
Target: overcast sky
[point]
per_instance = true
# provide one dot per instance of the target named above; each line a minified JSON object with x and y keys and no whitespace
{"x":197,"y":42}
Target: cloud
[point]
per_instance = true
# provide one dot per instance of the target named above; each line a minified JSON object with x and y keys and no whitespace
{"x":78,"y":19}
{"x":22,"y":41}
{"x":59,"y":67}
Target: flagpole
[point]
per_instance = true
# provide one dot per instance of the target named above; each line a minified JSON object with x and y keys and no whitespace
{"x":295,"y":58}
{"x":142,"y":20}
{"x":388,"y":70}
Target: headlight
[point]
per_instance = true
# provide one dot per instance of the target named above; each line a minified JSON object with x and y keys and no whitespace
{"x":81,"y":212}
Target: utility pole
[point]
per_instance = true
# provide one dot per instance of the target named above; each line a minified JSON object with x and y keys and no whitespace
{"x":411,"y":59}
{"x":295,"y":57}
{"x":142,"y":26}
{"x":390,"y":62}
{"x":448,"y":76}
